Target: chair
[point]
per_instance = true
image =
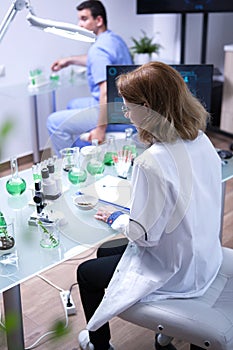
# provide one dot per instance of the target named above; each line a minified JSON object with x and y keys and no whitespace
{"x":205,"y":322}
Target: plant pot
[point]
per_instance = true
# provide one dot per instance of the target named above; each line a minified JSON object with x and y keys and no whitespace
{"x":6,"y":243}
{"x":142,"y":58}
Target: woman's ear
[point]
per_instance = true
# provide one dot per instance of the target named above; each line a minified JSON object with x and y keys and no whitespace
{"x":147,"y":108}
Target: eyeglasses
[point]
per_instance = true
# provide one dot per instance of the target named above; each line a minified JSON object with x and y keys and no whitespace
{"x":125,"y":109}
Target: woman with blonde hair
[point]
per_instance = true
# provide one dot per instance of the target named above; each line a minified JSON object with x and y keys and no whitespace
{"x":173,"y":248}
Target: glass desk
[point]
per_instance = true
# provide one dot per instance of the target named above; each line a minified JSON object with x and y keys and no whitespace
{"x":33,"y":259}
{"x":79,"y":233}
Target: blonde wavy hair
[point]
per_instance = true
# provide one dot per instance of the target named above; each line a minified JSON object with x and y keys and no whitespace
{"x":170,"y":111}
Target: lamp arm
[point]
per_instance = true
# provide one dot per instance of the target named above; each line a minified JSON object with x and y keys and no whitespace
{"x":16,"y":6}
{"x":67,"y":30}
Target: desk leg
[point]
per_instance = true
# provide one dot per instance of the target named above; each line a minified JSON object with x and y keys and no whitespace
{"x":35,"y":129}
{"x":13,"y":312}
{"x":54,"y":103}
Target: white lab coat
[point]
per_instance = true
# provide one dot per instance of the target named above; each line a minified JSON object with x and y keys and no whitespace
{"x":176,"y":196}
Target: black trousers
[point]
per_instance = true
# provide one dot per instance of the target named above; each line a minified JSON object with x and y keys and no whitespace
{"x":93,"y":277}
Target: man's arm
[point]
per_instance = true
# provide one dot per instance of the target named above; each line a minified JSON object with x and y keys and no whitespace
{"x":80,"y":60}
{"x":99,"y":131}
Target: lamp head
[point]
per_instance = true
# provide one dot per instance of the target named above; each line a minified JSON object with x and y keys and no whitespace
{"x":66,"y":30}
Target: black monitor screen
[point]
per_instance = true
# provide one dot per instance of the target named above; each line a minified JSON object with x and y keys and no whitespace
{"x":183,"y":6}
{"x":198,"y":77}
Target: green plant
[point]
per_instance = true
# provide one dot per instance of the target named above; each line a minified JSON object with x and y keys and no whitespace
{"x":6,"y":241}
{"x":5,"y":129}
{"x":145,"y":45}
{"x":49,"y":234}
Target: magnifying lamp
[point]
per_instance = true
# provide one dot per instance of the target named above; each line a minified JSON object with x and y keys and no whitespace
{"x":66,"y":30}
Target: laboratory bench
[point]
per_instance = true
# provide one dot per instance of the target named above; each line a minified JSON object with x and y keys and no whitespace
{"x":78,"y":232}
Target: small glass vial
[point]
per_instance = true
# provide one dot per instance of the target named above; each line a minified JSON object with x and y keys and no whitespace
{"x":15,"y":185}
{"x":36,"y":172}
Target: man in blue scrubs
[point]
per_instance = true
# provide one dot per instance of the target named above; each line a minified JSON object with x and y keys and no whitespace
{"x":84,"y":114}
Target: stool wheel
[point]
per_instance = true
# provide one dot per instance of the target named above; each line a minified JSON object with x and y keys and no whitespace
{"x":170,"y":346}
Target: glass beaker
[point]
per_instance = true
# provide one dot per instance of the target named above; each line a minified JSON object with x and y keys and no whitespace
{"x":68,"y":157}
{"x":96,"y":166}
{"x":15,"y":185}
{"x":49,"y":233}
{"x":77,"y":174}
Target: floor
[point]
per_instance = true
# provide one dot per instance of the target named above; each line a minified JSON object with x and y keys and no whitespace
{"x":42,"y":307}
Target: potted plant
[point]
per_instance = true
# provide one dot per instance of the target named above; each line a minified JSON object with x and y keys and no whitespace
{"x":7,"y":240}
{"x":143,"y":48}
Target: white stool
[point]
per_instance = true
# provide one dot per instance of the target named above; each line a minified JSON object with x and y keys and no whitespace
{"x":206,"y":322}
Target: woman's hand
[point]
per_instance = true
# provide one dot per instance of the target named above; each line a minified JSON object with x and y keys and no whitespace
{"x":104,"y":212}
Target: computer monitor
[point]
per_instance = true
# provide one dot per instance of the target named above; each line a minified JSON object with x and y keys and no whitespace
{"x":183,"y":6}
{"x":198,"y":77}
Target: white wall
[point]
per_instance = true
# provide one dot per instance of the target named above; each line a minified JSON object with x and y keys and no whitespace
{"x":220,"y":29}
{"x":24,"y":48}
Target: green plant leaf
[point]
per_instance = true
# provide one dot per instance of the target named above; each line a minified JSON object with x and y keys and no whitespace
{"x":145,"y":44}
{"x":6,"y":128}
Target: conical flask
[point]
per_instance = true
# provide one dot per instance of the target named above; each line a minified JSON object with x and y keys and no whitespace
{"x":111,"y":150}
{"x":15,"y":185}
{"x":77,"y":174}
{"x":129,"y":145}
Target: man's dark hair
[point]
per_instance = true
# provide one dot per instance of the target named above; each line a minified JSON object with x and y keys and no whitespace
{"x":96,"y":7}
